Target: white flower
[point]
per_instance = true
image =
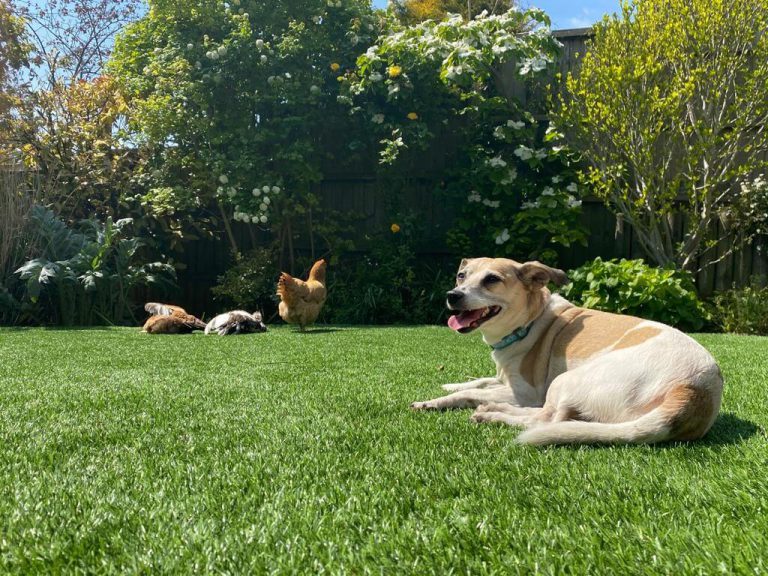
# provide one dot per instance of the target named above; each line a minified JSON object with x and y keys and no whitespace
{"x":573,"y":203}
{"x":267,"y":201}
{"x":572,"y":187}
{"x":515,"y":125}
{"x":223,"y":179}
{"x":317,"y":19}
{"x":263,"y":219}
{"x":190,"y":46}
{"x":222,"y":50}
{"x":259,"y":43}
{"x":265,"y":189}
{"x":263,"y":59}
{"x":503,"y":236}
{"x":246,"y":218}
{"x":275,"y":189}
{"x":262,"y":206}
{"x":377,"y":118}
{"x":524,"y":153}
{"x":231,"y":192}
{"x":491,"y":203}
{"x":453,"y":71}
{"x":535,"y":64}
{"x":354,"y":40}
{"x":496,"y":161}
{"x":213,"y":55}
{"x":540,"y":154}
{"x":498,"y":132}
{"x":557,"y":179}
{"x":548,"y":191}
{"x":474,"y":197}
{"x":315,"y":90}
{"x":256,"y":192}
{"x":198,"y":64}
{"x":526,"y":205}
{"x":376,"y":77}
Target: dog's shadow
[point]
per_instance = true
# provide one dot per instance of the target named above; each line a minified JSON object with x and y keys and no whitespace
{"x":730,"y":429}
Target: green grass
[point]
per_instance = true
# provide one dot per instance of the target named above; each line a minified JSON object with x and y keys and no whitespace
{"x":297,"y":453}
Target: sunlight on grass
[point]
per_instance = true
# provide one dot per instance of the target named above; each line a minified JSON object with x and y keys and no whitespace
{"x":297,"y":453}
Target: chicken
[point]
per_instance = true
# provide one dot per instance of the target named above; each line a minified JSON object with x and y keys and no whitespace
{"x":301,"y":301}
{"x":169,"y":319}
{"x":236,"y":322}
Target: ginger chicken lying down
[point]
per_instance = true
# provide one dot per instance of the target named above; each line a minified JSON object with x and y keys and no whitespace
{"x":236,"y":322}
{"x":170,"y":319}
{"x":301,"y":301}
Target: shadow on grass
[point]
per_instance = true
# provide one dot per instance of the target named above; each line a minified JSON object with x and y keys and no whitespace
{"x":730,"y":429}
{"x":317,"y":331}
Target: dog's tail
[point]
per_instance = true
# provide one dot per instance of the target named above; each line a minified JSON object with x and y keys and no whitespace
{"x":687,"y":412}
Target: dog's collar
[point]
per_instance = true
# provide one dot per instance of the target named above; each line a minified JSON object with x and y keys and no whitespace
{"x":512,"y":337}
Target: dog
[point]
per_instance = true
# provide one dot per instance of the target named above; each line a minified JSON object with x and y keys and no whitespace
{"x":571,"y":375}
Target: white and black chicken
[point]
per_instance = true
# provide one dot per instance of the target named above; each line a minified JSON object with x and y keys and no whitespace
{"x":236,"y":322}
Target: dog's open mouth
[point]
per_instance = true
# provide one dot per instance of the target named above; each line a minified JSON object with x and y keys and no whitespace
{"x":467,"y":320}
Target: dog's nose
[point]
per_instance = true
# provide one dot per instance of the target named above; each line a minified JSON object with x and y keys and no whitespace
{"x":454,"y":297}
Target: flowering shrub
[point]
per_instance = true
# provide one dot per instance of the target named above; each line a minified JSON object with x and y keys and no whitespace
{"x":517,"y":189}
{"x":236,"y":102}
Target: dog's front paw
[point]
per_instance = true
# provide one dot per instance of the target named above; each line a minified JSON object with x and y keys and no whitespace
{"x":426,"y":405}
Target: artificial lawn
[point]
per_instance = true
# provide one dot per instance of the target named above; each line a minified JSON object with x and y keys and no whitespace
{"x":296,"y":453}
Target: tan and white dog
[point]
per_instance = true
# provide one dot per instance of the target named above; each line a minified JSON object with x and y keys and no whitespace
{"x":573,"y":375}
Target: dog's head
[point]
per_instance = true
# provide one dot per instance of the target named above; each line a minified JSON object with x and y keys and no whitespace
{"x":499,"y":295}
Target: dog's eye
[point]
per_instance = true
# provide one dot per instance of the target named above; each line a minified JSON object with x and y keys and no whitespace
{"x":460,"y":276}
{"x":491,"y":279}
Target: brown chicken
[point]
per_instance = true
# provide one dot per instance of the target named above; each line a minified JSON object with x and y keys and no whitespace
{"x":301,"y":301}
{"x":169,"y":319}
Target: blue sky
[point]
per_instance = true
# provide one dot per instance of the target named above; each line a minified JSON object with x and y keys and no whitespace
{"x":564,"y":13}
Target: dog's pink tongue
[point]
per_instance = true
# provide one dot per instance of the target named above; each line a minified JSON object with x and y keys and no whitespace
{"x":464,"y":319}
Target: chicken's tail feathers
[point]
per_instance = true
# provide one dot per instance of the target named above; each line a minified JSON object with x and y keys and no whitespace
{"x":158,"y":309}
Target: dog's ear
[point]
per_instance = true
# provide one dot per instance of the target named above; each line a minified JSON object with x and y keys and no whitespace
{"x":537,"y":275}
{"x":463,"y":263}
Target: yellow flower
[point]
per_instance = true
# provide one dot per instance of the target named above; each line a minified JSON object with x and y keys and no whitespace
{"x":395,"y":228}
{"x":394,"y":71}
{"x":413,"y":116}
{"x":335,"y":66}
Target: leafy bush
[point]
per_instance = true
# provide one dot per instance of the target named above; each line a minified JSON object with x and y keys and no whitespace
{"x":388,"y":284}
{"x":744,"y":310}
{"x":634,"y":288}
{"x":86,"y":276}
{"x":250,"y":284}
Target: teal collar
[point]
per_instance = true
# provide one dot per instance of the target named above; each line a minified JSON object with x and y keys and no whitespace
{"x":512,"y":337}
